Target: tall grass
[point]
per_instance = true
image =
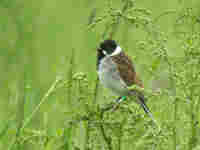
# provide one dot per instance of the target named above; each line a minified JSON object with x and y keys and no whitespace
{"x":88,"y":120}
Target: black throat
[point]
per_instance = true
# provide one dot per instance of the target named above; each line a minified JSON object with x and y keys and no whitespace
{"x":107,"y":47}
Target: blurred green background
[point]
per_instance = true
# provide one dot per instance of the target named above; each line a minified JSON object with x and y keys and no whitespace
{"x":36,"y":43}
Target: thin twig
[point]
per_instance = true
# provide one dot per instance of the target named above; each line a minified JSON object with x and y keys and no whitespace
{"x":116,"y":24}
{"x":105,"y":137}
{"x":96,"y":91}
{"x":51,"y":89}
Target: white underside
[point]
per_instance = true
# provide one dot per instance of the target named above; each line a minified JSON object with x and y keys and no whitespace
{"x":109,"y":77}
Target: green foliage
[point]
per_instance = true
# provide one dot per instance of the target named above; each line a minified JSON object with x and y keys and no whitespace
{"x":66,"y":108}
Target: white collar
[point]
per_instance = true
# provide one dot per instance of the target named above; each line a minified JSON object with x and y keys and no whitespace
{"x":117,"y":51}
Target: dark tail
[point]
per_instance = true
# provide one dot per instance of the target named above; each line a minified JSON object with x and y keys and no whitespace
{"x":143,"y":104}
{"x":145,"y":107}
{"x":141,"y":101}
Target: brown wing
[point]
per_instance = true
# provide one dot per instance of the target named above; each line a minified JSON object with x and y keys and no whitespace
{"x":126,"y":69}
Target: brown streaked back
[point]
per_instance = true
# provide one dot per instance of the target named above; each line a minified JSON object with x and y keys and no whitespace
{"x":126,"y":69}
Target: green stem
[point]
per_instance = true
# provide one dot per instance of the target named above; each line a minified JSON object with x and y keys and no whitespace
{"x":107,"y":140}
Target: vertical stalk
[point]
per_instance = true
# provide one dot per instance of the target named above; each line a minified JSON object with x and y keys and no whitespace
{"x":193,"y":139}
{"x":70,"y":74}
{"x":175,"y":100}
{"x":120,"y":137}
{"x":20,"y":26}
{"x":175,"y":122}
{"x":96,"y":89}
{"x":115,"y":26}
{"x":114,"y":29}
{"x":87,"y":136}
{"x":107,"y":139}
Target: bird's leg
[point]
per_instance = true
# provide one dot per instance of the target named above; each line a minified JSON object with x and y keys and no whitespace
{"x":118,"y":100}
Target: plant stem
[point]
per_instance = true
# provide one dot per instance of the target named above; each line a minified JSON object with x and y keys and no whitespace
{"x":107,"y":140}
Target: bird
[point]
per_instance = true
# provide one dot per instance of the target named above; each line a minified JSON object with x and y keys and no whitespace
{"x":116,"y":72}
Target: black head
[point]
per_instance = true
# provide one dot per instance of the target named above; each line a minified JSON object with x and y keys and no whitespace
{"x":108,"y":46}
